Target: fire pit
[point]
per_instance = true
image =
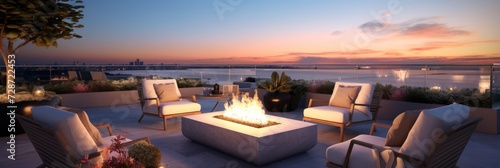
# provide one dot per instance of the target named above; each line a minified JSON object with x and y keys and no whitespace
{"x":247,"y":111}
{"x":255,"y":145}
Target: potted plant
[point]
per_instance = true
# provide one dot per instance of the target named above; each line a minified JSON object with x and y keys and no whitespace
{"x":277,"y":97}
{"x":299,"y":88}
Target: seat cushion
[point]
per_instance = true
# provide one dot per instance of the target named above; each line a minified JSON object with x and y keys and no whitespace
{"x":166,"y":92}
{"x":335,"y":114}
{"x":78,"y":140}
{"x":361,"y":156}
{"x":84,"y":118}
{"x":431,"y":124}
{"x":364,"y":96}
{"x":345,"y":96}
{"x":174,"y":107}
{"x":400,"y":128}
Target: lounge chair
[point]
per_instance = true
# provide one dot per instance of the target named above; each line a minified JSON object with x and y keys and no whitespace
{"x":436,"y":139}
{"x":165,"y":102}
{"x":360,"y":109}
{"x":62,"y":138}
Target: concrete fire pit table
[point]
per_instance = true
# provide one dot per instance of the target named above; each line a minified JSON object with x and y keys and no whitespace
{"x":255,"y":145}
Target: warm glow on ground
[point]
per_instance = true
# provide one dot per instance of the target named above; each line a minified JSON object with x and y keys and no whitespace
{"x":247,"y":110}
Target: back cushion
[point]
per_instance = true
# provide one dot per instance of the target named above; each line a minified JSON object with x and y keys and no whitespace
{"x":364,"y":96}
{"x":345,"y":96}
{"x":400,"y":128}
{"x":166,"y":92}
{"x":431,"y":124}
{"x":78,"y":140}
{"x":84,"y":118}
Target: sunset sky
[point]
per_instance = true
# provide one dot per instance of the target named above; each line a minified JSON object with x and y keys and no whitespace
{"x":280,"y":32}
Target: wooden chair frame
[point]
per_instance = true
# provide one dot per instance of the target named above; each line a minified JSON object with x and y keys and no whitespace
{"x":374,"y":108}
{"x":49,"y":144}
{"x":446,"y":154}
{"x":143,"y":99}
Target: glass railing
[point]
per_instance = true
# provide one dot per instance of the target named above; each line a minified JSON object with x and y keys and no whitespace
{"x":436,"y":77}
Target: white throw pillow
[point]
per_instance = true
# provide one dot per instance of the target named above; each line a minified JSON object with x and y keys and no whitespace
{"x":79,"y":141}
{"x":431,"y":124}
{"x":364,"y":95}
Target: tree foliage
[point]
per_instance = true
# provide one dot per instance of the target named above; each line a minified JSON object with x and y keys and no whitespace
{"x":40,"y":22}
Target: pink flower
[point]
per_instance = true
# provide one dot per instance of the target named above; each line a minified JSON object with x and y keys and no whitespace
{"x":80,"y":88}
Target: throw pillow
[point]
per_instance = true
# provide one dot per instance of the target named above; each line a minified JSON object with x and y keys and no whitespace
{"x":400,"y":128}
{"x":84,"y":118}
{"x":166,"y":92}
{"x":345,"y":96}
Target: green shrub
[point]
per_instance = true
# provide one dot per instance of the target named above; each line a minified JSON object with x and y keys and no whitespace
{"x":188,"y":82}
{"x":101,"y":86}
{"x":466,"y":96}
{"x":322,"y":86}
{"x":147,"y":154}
{"x":62,"y":87}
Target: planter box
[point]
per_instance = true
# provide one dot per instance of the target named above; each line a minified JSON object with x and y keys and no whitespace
{"x":391,"y":108}
{"x":98,"y":99}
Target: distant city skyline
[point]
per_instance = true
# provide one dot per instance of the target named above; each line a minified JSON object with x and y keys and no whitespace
{"x":280,"y":32}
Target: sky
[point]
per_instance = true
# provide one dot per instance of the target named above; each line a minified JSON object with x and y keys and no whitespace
{"x":280,"y":32}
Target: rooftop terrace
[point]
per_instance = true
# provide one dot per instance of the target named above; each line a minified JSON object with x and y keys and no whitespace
{"x":178,"y":151}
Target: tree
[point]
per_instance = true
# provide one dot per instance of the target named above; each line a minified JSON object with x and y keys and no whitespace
{"x":40,"y":22}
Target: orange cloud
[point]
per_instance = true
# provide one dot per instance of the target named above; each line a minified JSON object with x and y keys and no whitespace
{"x":446,"y":44}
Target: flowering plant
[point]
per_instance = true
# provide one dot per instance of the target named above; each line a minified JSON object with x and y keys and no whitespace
{"x":121,"y":159}
{"x":27,"y":96}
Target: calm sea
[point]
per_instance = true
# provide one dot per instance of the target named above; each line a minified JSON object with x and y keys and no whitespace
{"x":436,"y":78}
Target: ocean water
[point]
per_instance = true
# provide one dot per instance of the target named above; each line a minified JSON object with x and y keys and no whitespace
{"x":434,"y":78}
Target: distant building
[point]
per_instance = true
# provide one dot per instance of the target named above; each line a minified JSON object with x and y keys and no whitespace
{"x":137,"y":62}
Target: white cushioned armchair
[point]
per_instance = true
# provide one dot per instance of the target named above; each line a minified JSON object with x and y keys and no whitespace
{"x":434,"y":138}
{"x":363,"y":110}
{"x":64,"y":136}
{"x":162,"y":98}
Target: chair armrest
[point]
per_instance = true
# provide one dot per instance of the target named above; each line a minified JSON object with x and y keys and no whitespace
{"x":382,"y":125}
{"x":413,"y":161}
{"x":105,"y":126}
{"x":145,"y":99}
{"x":361,"y":104}
{"x":316,"y":100}
{"x":148,"y":98}
{"x":351,"y":145}
{"x":367,"y":105}
{"x":136,"y":140}
{"x":85,"y":160}
{"x":193,"y":98}
{"x":374,"y":124}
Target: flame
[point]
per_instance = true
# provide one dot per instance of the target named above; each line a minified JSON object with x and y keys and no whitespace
{"x":249,"y":110}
